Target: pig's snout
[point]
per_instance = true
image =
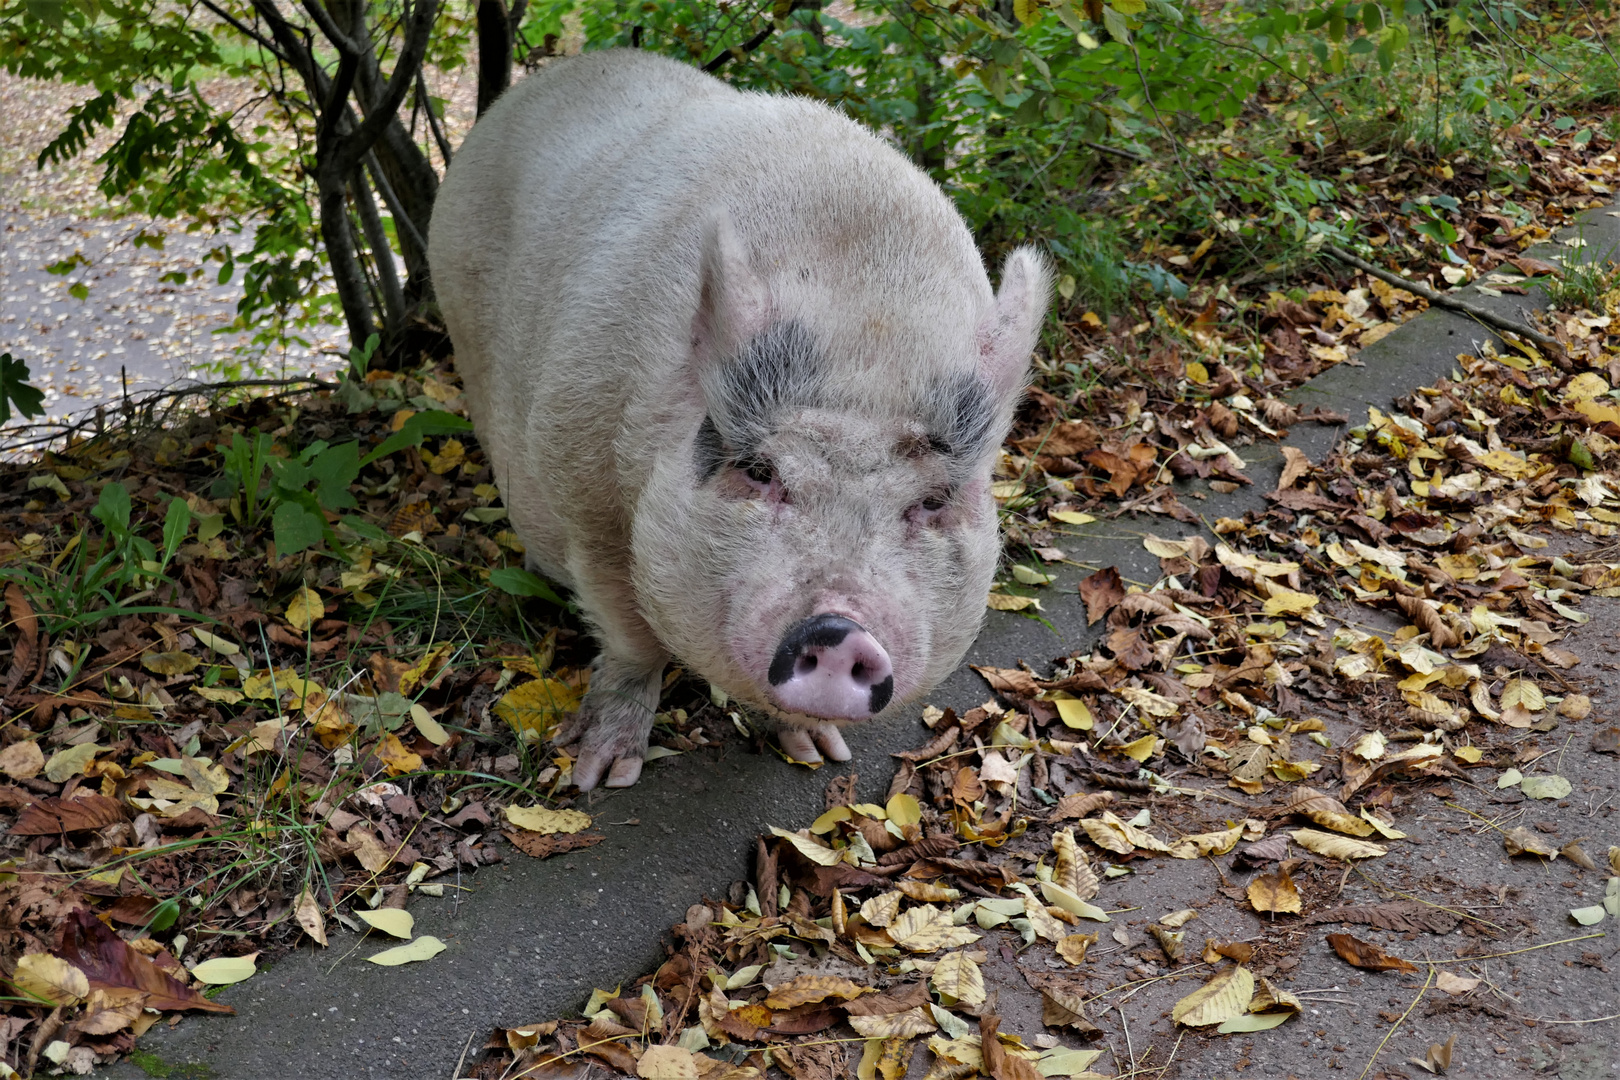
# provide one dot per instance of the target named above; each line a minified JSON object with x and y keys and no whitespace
{"x":829,"y":667}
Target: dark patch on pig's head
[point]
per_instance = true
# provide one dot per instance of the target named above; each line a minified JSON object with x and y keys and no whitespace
{"x":709,"y":450}
{"x":780,"y":369}
{"x":959,"y":416}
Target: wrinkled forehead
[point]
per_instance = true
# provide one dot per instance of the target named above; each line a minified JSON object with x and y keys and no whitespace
{"x":907,"y":404}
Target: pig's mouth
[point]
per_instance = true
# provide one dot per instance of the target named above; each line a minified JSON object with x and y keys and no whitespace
{"x":830,"y":667}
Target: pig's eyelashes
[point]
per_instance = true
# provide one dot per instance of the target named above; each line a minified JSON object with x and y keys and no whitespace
{"x":759,"y":471}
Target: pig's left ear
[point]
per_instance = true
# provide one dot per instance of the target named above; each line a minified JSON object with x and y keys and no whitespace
{"x":1008,"y":334}
{"x":733,"y":303}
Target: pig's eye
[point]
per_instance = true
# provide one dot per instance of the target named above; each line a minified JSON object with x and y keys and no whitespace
{"x":759,"y":471}
{"x":933,"y":503}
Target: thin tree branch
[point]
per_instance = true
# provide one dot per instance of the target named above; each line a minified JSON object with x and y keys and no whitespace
{"x":725,"y":56}
{"x":433,"y":118}
{"x":402,"y":220}
{"x":418,"y":28}
{"x":246,"y":31}
{"x":1438,"y":299}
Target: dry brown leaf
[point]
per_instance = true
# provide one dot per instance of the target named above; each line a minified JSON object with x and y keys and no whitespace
{"x":1295,"y":465}
{"x":1070,"y":868}
{"x":958,"y":976}
{"x":910,"y":1023}
{"x":1100,"y":592}
{"x":1522,"y":841}
{"x":1223,"y":997}
{"x":1448,"y":983}
{"x":1364,"y":954}
{"x":1429,"y":620}
{"x":1438,"y":1058}
{"x":1060,"y":1008}
{"x":808,"y":988}
{"x":1073,"y":947}
{"x":998,"y":1061}
{"x":1275,"y":893}
{"x":1171,"y":941}
{"x":1079,"y":805}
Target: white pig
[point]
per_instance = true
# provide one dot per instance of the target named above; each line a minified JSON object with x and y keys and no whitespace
{"x":742,"y":379}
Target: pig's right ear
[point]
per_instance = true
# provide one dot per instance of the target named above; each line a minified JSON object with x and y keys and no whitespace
{"x":733,"y":303}
{"x":1008,"y":334}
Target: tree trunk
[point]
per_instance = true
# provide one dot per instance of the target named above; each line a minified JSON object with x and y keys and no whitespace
{"x":382,"y":254}
{"x":494,"y":52}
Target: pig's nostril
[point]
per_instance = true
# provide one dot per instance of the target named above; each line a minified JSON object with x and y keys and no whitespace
{"x":806,"y":664}
{"x":859,"y":673}
{"x":829,"y":666}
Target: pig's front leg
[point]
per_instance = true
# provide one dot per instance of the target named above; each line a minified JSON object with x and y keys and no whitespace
{"x":808,"y":742}
{"x":614,"y":720}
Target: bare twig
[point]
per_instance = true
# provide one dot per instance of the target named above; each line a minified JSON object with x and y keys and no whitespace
{"x":1438,"y":299}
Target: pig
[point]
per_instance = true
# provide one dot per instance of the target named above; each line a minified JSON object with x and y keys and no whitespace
{"x":742,"y":379}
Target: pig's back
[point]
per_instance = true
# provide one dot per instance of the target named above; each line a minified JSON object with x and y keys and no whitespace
{"x":565,"y":249}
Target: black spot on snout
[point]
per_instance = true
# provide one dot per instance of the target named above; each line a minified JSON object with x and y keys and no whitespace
{"x":881,"y":693}
{"x":823,"y":631}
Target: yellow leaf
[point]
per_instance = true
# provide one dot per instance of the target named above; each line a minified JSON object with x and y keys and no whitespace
{"x":1073,"y":948}
{"x":1074,"y":713}
{"x":538,"y":819}
{"x":395,"y":757}
{"x":1224,"y":997}
{"x":927,"y":928}
{"x":50,"y":978}
{"x":217,"y":644}
{"x":820,"y":854}
{"x":307,"y":910}
{"x":538,"y":706}
{"x":1141,"y":749}
{"x":957,"y":975}
{"x":1070,"y":868}
{"x":904,"y":810}
{"x":395,"y":921}
{"x":808,"y":988}
{"x":1197,"y":372}
{"x":1344,"y":823}
{"x":1524,"y":693}
{"x":1003,"y":602}
{"x":1288,"y":602}
{"x":1045,"y":924}
{"x":225,"y":970}
{"x":1071,"y":517}
{"x":1063,"y":898}
{"x":169,"y":663}
{"x":1275,"y":892}
{"x":70,"y":761}
{"x":1470,"y":754}
{"x":1336,"y":847}
{"x":906,"y":1024}
{"x":881,"y":909}
{"x":1293,"y":771}
{"x":223,"y":695}
{"x":305,"y":609}
{"x":423,"y":948}
{"x":1198,"y":845}
{"x":427,"y":727}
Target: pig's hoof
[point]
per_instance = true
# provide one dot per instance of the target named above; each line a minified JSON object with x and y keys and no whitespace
{"x":808,"y":744}
{"x":623,"y":767}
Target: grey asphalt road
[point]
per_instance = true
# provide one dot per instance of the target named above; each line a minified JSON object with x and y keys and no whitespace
{"x":530,"y":939}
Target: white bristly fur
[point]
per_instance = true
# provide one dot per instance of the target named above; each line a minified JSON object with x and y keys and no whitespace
{"x":610,"y":236}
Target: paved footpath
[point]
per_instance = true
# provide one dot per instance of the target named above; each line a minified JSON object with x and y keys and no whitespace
{"x":532,"y":938}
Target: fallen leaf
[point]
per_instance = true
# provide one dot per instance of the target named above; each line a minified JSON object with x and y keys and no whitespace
{"x":22,"y":760}
{"x":1100,"y":592}
{"x":1522,"y":841}
{"x":999,"y":1062}
{"x":881,"y":909}
{"x":395,"y":921}
{"x":423,"y":948}
{"x":1073,"y":947}
{"x":1402,"y":916}
{"x":1545,"y":787}
{"x":1448,"y":983}
{"x":397,"y":759}
{"x":906,"y":1024}
{"x":1269,"y":997}
{"x":1364,"y":954}
{"x":667,"y":1063}
{"x":71,"y":761}
{"x":110,"y":963}
{"x":1250,"y":1022}
{"x":958,"y":976}
{"x":820,"y":854}
{"x":304,"y":610}
{"x":1220,"y":999}
{"x":810,"y":988}
{"x":1063,"y":898}
{"x":1336,"y":847}
{"x":1070,"y":868}
{"x":225,"y":970}
{"x":1061,"y":1008}
{"x":48,"y":817}
{"x":926,"y":928}
{"x":1438,"y":1058}
{"x":538,"y":705}
{"x":1588,"y":916}
{"x":541,"y":820}
{"x":51,"y":979}
{"x":169,"y":663}
{"x":1199,"y":845}
{"x":307,"y":910}
{"x":1275,"y":892}
{"x":1177,"y":919}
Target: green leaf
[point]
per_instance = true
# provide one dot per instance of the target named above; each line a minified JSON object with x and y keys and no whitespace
{"x":296,"y":528}
{"x":522,"y":583}
{"x":417,"y":428}
{"x":176,"y":523}
{"x":112,"y":509}
{"x":164,"y":915}
{"x":79,"y":291}
{"x":333,"y":470}
{"x":1118,"y":29}
{"x":14,"y":390}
